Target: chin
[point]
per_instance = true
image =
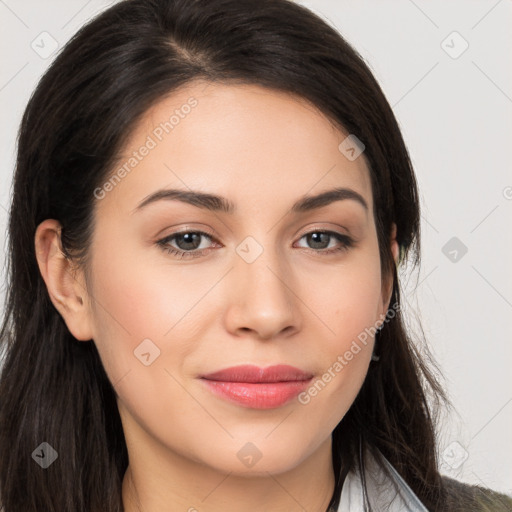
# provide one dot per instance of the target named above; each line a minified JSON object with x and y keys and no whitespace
{"x":253,"y":460}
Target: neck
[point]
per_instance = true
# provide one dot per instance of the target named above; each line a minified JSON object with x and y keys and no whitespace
{"x":172,"y":482}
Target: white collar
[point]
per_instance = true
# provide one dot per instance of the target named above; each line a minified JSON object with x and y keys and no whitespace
{"x":384,"y":492}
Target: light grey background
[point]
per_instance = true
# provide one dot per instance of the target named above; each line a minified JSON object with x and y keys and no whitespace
{"x":455,"y":112}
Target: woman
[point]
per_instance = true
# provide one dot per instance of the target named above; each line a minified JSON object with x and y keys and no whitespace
{"x":210,"y":202}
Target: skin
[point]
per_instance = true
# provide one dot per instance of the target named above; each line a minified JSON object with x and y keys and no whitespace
{"x":294,"y":304}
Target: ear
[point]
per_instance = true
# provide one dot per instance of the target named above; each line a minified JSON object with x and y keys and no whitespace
{"x":65,"y":283}
{"x":387,"y":289}
{"x":395,"y":249}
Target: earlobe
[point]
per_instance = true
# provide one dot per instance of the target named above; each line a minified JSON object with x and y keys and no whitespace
{"x":65,"y":285}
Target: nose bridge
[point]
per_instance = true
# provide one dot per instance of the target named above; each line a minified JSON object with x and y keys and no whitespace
{"x":264,"y":271}
{"x":263,"y":300}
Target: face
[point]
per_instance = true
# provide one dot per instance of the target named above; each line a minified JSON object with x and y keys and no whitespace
{"x":182,"y":288}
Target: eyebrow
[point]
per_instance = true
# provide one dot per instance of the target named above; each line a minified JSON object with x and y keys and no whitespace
{"x":217,"y":203}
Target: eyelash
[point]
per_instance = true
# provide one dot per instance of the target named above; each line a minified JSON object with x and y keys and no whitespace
{"x":346,"y":243}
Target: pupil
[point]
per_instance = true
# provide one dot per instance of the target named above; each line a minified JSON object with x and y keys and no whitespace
{"x":188,"y":237}
{"x":316,"y":239}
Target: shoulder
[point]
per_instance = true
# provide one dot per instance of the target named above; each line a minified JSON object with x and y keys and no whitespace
{"x":462,"y":497}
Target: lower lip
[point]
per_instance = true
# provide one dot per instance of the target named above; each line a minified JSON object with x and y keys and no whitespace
{"x":258,"y":395}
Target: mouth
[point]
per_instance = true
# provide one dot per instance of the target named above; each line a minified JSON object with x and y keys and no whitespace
{"x":258,"y":388}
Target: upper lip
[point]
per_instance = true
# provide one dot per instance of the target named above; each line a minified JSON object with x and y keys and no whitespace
{"x":251,"y":373}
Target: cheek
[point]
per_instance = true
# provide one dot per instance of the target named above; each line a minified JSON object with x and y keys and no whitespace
{"x":348,"y":301}
{"x":347,"y":298}
{"x":135,"y":302}
{"x":145,"y":330}
{"x":143,"y":290}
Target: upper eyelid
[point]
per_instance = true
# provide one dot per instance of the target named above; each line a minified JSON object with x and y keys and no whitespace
{"x":188,"y":230}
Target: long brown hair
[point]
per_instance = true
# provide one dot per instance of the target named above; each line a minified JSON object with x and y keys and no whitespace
{"x":54,"y":389}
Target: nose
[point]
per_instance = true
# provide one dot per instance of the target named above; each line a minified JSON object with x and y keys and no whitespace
{"x":262,"y":298}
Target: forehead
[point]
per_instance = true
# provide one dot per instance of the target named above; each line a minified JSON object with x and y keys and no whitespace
{"x":256,"y":145}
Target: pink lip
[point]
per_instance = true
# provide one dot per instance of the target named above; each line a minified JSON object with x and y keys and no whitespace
{"x":258,"y":388}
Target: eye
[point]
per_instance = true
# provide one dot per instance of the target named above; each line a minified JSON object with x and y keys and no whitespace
{"x":188,"y":244}
{"x":321,"y":239}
